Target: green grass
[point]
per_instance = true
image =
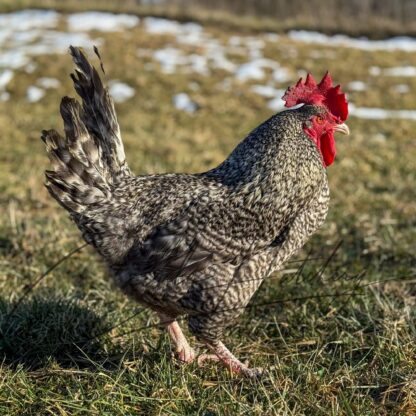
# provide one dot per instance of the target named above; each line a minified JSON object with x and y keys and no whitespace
{"x":63,"y":351}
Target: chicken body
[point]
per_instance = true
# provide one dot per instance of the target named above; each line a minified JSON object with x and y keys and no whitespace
{"x":202,"y":244}
{"x":198,"y":245}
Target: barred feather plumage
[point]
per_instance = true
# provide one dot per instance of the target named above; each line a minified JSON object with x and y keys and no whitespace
{"x":195,"y":244}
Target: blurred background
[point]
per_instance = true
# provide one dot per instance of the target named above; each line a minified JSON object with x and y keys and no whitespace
{"x":190,"y":79}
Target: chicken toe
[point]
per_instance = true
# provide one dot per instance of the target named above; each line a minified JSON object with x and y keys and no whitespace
{"x":225,"y":356}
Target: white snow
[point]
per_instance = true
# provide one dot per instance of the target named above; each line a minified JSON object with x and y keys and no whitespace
{"x":401,"y":88}
{"x":46,"y":82}
{"x":250,"y":70}
{"x":254,"y":69}
{"x":400,"y":71}
{"x":401,"y":43}
{"x":120,"y":91}
{"x":5,"y":77}
{"x":34,"y":94}
{"x":255,"y":47}
{"x":357,"y":86}
{"x":183,"y":102}
{"x":281,"y":75}
{"x":277,"y":104}
{"x":102,"y":21}
{"x":27,"y":19}
{"x":375,"y":71}
{"x":4,"y":96}
{"x":156,"y":25}
{"x":271,"y":37}
{"x":58,"y":42}
{"x":13,"y":59}
{"x":380,"y":113}
{"x":266,"y":90}
{"x":26,"y":33}
{"x":171,"y":58}
{"x":190,"y":48}
{"x":31,"y":67}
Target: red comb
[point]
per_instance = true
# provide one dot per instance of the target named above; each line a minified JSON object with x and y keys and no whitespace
{"x":324,"y":93}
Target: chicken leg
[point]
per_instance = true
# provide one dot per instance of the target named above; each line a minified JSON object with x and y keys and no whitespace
{"x":184,"y":351}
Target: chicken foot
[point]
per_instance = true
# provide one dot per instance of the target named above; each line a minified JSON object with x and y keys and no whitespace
{"x":225,"y":356}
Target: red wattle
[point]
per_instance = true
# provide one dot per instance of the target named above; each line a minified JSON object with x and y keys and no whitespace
{"x":327,"y":147}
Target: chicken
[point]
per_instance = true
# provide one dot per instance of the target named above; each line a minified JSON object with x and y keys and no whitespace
{"x":196,"y":245}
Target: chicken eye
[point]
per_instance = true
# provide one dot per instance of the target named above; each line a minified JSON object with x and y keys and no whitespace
{"x":319,"y":119}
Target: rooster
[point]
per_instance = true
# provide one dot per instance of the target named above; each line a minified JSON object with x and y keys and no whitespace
{"x":196,"y":245}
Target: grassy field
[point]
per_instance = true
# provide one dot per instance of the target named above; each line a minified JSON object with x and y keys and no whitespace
{"x":375,"y":19}
{"x":338,"y":340}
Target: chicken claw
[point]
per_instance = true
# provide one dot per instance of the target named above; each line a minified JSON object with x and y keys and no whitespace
{"x":226,"y":357}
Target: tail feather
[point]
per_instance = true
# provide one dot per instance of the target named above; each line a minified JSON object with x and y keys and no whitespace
{"x":88,"y":162}
{"x":98,"y":114}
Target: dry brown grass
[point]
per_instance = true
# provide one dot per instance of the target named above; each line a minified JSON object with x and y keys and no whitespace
{"x":330,"y":356}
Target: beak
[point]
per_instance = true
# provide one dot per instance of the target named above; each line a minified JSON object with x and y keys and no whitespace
{"x":342,"y":128}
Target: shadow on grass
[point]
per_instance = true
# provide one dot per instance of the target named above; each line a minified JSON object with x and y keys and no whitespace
{"x":46,"y":328}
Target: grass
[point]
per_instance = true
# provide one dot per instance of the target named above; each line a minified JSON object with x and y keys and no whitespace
{"x":63,"y":349}
{"x":378,"y":20}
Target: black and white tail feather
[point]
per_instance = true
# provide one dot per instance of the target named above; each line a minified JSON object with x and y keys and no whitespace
{"x":89,"y":161}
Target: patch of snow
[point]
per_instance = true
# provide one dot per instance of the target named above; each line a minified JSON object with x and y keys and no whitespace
{"x":271,"y":37}
{"x":5,"y":77}
{"x":169,"y":58}
{"x":159,"y":26}
{"x":217,"y":57}
{"x":46,"y":82}
{"x":374,"y":71}
{"x":212,"y":55}
{"x":58,"y":42}
{"x":401,"y":88}
{"x":281,"y":75}
{"x":254,"y":69}
{"x":198,"y":64}
{"x":183,"y":102}
{"x":255,"y":47}
{"x":102,"y":21}
{"x":24,"y":20}
{"x":26,"y":33}
{"x":400,"y":71}
{"x":248,"y":71}
{"x":380,"y":113}
{"x":357,"y":86}
{"x":266,"y":90}
{"x":30,"y":67}
{"x":50,"y":42}
{"x":4,"y":96}
{"x":277,"y":104}
{"x":13,"y":59}
{"x":399,"y":43}
{"x":235,"y":40}
{"x":34,"y":94}
{"x":120,"y":91}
